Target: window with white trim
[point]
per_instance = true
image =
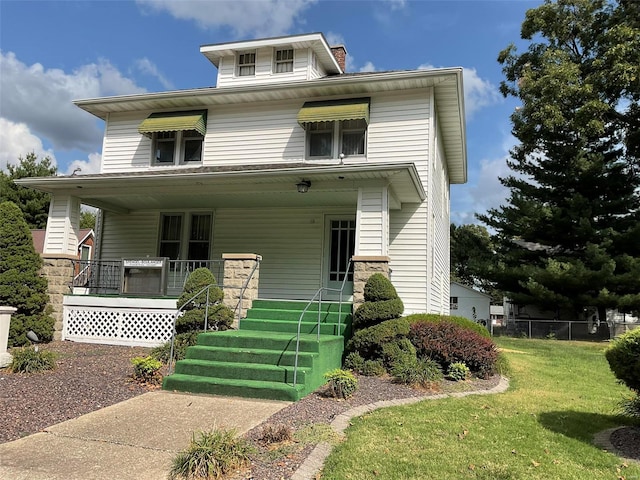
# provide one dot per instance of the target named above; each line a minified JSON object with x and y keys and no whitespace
{"x":180,"y":243}
{"x":453,"y":303}
{"x":177,"y":148}
{"x":283,"y":60}
{"x":331,"y":139}
{"x":246,"y":64}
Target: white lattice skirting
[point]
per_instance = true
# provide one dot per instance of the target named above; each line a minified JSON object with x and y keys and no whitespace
{"x":118,"y":321}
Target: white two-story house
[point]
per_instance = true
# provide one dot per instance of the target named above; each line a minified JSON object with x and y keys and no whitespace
{"x":288,"y":158}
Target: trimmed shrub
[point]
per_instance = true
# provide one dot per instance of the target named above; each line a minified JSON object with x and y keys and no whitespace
{"x":373,"y":368}
{"x":220,"y":317}
{"x":180,"y":344}
{"x":211,"y":455}
{"x":458,"y":371}
{"x":30,"y":360}
{"x":369,"y":342}
{"x":354,"y":362}
{"x":623,"y":356}
{"x":342,"y":383}
{"x":379,"y":288}
{"x":414,"y":371}
{"x":448,"y":343}
{"x":21,"y":284}
{"x":381,"y":302}
{"x":630,"y":406}
{"x":397,"y":350}
{"x":147,"y":370}
{"x":461,"y":321}
{"x":372,"y":313}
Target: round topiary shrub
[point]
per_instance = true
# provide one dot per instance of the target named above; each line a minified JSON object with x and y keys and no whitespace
{"x":623,"y":356}
{"x":369,"y":342}
{"x":381,"y":303}
{"x":194,"y":305}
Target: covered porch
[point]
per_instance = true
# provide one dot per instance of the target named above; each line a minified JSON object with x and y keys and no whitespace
{"x":195,"y":216}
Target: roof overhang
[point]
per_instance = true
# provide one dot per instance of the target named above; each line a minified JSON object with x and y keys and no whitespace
{"x":227,"y":187}
{"x":446,"y":84}
{"x":315,"y":41}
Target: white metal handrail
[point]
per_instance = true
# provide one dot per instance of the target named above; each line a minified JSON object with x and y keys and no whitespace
{"x":318,"y":295}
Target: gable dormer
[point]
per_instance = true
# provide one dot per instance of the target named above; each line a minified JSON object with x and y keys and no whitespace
{"x":275,"y":60}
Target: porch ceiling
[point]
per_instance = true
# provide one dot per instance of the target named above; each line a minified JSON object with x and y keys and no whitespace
{"x":211,"y":187}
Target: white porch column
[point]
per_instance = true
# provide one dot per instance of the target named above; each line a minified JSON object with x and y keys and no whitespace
{"x":372,"y":222}
{"x":5,"y":320}
{"x":63,"y":226}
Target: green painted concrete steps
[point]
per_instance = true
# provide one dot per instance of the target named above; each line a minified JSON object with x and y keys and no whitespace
{"x":258,"y":360}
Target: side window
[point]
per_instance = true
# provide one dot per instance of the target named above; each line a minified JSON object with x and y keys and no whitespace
{"x":246,"y":64}
{"x":171,"y":148}
{"x":330,"y":139}
{"x":192,"y":146}
{"x":165,"y":146}
{"x":192,"y":243}
{"x":453,"y":303}
{"x":320,"y":139}
{"x":170,"y":236}
{"x":353,"y":137}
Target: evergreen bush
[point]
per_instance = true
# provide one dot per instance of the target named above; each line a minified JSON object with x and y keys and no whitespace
{"x":220,"y":317}
{"x":21,"y":284}
{"x":373,"y":368}
{"x":354,"y":362}
{"x":397,"y":350}
{"x":369,"y":342}
{"x":448,"y":343}
{"x":623,"y":355}
{"x":381,"y":302}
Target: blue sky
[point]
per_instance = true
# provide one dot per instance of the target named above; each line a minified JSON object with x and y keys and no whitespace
{"x":52,"y":52}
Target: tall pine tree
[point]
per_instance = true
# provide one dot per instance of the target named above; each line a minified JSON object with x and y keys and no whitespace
{"x":569,"y":236}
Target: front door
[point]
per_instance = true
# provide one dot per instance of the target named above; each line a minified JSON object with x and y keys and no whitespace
{"x":340,"y":243}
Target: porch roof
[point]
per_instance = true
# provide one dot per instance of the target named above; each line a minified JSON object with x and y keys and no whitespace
{"x":235,"y":186}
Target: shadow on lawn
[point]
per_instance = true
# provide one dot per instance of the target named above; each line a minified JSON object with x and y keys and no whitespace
{"x":580,"y":425}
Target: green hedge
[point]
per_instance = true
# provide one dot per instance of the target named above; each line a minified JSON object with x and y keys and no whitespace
{"x":623,"y":356}
{"x":369,"y":342}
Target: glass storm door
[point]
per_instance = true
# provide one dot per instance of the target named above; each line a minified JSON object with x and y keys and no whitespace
{"x":341,"y":240}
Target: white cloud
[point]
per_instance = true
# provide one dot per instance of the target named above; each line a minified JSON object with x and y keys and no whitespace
{"x":91,"y":165}
{"x":478,"y":93}
{"x":258,"y":18}
{"x":368,"y":67}
{"x":42,"y":99}
{"x":396,"y":4}
{"x":147,"y":66}
{"x":17,"y":141}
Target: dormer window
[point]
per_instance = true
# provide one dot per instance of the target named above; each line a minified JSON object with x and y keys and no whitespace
{"x":283,"y":61}
{"x":247,"y":64}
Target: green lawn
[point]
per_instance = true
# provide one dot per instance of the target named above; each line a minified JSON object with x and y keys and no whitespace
{"x":561,"y":394}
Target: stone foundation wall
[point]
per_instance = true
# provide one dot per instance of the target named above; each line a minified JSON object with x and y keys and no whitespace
{"x":59,"y":272}
{"x":363,"y":268}
{"x":241,"y":269}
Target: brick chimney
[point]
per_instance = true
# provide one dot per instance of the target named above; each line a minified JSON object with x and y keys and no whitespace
{"x":340,"y":53}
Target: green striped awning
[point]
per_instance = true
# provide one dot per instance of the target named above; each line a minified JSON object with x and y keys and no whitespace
{"x":352,"y":109}
{"x":174,"y":122}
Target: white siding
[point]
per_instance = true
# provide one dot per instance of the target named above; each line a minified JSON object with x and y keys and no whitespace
{"x":240,"y":135}
{"x":63,"y":226}
{"x":124,"y":148}
{"x":264,"y":69}
{"x":129,"y":235}
{"x":408,"y":250}
{"x":290,"y":241}
{"x":373,"y":221}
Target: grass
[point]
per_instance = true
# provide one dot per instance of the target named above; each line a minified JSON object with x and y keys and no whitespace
{"x":561,"y":394}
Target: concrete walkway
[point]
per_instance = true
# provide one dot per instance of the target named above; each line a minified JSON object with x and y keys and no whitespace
{"x":132,"y":440}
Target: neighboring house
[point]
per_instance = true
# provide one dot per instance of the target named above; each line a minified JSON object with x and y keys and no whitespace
{"x":497,"y":314}
{"x":84,"y":250}
{"x":289,"y":158}
{"x":469,"y":303}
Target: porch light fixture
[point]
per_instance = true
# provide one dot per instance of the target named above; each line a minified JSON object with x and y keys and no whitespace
{"x":303,"y":186}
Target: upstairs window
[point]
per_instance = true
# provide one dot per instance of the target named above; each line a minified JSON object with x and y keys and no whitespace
{"x":335,"y":129}
{"x":246,"y":64}
{"x":283,"y":61}
{"x":176,"y":137}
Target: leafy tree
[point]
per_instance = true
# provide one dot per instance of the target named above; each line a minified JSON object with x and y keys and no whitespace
{"x":34,"y":204}
{"x":87,"y":219}
{"x":473,"y":257}
{"x":21,"y":285}
{"x":568,"y":237}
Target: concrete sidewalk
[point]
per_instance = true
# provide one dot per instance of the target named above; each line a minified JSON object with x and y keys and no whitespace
{"x":132,"y":440}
